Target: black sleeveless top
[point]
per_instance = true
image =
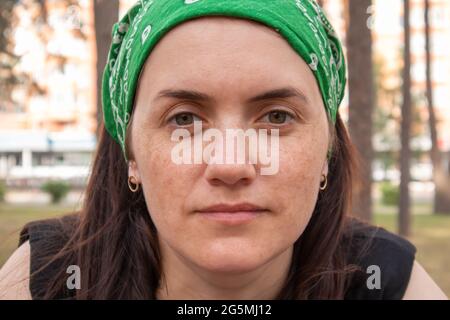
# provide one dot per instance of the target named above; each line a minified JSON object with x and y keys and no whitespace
{"x":376,"y":251}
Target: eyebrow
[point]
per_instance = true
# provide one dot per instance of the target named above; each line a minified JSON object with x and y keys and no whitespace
{"x":280,"y":93}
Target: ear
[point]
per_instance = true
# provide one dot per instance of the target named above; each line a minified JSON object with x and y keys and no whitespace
{"x":133,"y":171}
{"x":325,"y":168}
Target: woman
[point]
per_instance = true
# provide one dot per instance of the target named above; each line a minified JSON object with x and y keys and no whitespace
{"x":154,"y":227}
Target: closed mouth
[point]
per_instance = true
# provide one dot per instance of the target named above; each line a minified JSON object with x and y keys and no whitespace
{"x":232,"y":214}
{"x":231,"y":208}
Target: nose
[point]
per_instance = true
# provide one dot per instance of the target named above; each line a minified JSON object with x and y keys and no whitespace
{"x":230,"y":174}
{"x":233,"y":166}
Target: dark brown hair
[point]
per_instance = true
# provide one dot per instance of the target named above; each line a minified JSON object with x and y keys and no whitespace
{"x":115,"y":243}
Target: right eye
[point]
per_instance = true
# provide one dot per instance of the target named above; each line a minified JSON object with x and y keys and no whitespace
{"x":184,"y":119}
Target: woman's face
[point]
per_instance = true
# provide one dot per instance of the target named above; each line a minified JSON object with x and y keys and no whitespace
{"x":230,"y":61}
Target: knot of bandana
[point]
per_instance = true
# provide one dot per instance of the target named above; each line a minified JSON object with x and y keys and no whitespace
{"x":301,"y":22}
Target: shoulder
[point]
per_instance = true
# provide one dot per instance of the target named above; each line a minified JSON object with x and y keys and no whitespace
{"x":384,"y":259}
{"x":15,"y":275}
{"x":46,"y":238}
{"x":49,"y":232}
{"x":421,"y":286}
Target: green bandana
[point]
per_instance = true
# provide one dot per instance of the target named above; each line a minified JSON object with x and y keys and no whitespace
{"x":301,"y":22}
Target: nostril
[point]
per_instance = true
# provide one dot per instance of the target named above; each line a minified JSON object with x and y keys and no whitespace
{"x":243,"y":182}
{"x":230,"y":175}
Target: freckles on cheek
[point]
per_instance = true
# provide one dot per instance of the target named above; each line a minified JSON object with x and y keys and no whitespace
{"x":297,"y":178}
{"x":299,"y":164}
{"x":152,"y":151}
{"x":166,"y":184}
{"x":157,"y":169}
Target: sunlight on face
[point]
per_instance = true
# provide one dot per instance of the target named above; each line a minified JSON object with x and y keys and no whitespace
{"x":226,"y":62}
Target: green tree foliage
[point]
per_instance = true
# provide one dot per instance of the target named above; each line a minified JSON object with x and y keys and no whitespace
{"x":57,"y":190}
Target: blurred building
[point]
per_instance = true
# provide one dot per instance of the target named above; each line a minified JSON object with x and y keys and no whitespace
{"x":27,"y":158}
{"x":50,"y":130}
{"x":60,"y":58}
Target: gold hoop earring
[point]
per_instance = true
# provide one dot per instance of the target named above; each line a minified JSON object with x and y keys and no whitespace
{"x":136,"y":185}
{"x":323,"y":187}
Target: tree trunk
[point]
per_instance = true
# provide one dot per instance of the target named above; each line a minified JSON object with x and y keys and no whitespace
{"x":440,"y":176}
{"x":106,"y":13}
{"x":44,"y":13}
{"x":405,"y":153}
{"x":361,"y":100}
{"x":8,"y":77}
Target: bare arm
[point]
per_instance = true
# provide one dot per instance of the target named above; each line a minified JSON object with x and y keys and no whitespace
{"x":15,"y":275}
{"x":422,"y":287}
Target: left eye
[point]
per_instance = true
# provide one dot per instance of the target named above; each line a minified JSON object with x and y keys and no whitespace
{"x":277,"y":117}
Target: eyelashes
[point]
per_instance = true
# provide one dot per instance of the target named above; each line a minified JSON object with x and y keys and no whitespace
{"x":184,"y":119}
{"x":276,"y":117}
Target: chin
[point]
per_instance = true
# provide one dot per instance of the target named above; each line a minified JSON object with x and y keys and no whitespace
{"x":231,"y":267}
{"x":233,"y":261}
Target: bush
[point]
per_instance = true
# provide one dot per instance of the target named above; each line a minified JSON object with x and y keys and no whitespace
{"x":57,"y":190}
{"x":2,"y":190}
{"x":390,"y":194}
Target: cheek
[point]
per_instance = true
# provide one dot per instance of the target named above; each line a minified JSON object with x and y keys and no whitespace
{"x":297,"y":182}
{"x":166,"y":185}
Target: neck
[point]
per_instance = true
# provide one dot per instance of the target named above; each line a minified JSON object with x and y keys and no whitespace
{"x":183,"y":280}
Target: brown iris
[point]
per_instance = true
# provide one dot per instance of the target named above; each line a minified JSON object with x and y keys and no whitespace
{"x":278,"y":117}
{"x":184,"y":119}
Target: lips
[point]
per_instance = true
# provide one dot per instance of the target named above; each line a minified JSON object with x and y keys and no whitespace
{"x":240,"y":207}
{"x":232,"y":214}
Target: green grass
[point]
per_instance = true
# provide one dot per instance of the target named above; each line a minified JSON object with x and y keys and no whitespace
{"x":14,"y":217}
{"x":431,"y":236}
{"x":430,"y":233}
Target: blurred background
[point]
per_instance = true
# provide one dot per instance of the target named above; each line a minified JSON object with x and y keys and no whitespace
{"x":397,"y":109}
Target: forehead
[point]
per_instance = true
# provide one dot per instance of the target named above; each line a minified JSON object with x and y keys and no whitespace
{"x":220,"y":51}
